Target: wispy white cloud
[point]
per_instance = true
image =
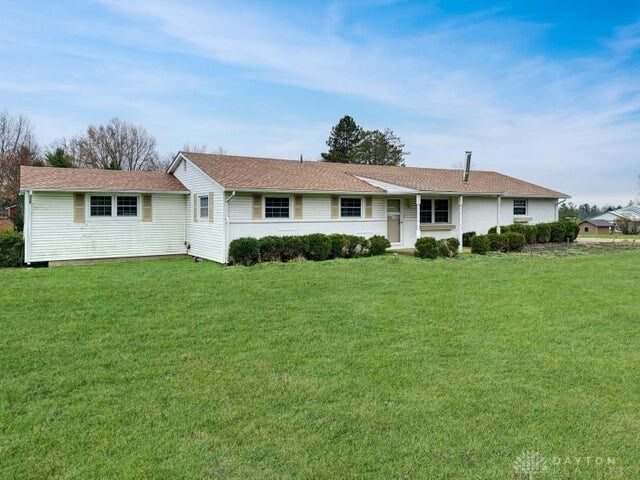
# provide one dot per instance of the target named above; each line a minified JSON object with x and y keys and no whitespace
{"x":473,"y":81}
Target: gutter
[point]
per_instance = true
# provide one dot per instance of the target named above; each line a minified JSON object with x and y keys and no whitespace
{"x":227,"y":221}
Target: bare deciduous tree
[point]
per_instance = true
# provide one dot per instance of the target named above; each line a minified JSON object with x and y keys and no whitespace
{"x":17,"y":147}
{"x":117,"y":145}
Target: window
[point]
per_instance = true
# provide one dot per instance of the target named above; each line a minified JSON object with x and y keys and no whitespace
{"x":350,"y":207}
{"x":434,"y":210}
{"x":127,"y":206}
{"x":519,"y":206}
{"x":204,"y":206}
{"x":426,"y":211}
{"x":276,"y":207}
{"x":441,"y":211}
{"x":586,"y":229}
{"x":100,"y":206}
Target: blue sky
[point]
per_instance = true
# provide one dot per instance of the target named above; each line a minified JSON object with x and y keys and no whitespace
{"x":546,"y":91}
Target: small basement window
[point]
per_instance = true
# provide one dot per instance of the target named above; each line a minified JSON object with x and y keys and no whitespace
{"x":519,"y":206}
{"x":100,"y":206}
{"x":276,"y":207}
{"x":204,"y":206}
{"x":351,"y":207}
{"x":127,"y":206}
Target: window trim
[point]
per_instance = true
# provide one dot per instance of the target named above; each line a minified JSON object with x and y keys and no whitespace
{"x":290,"y":207}
{"x":200,"y":217}
{"x":526,"y":207}
{"x":114,"y":206}
{"x":351,"y":197}
{"x":432,"y":200}
{"x":137,"y":197}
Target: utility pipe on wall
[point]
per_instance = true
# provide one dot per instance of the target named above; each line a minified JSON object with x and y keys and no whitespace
{"x":460,"y":229}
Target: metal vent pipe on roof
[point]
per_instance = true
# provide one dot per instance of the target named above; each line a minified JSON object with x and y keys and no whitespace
{"x":467,"y":167}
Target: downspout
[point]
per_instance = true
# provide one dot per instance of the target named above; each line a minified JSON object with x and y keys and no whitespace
{"x":418,"y":202}
{"x":460,"y":203}
{"x":226,"y":226}
{"x":498,"y":215}
{"x":26,"y":228}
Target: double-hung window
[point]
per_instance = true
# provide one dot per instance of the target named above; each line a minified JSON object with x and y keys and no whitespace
{"x":276,"y":207}
{"x":434,"y":210}
{"x":127,"y":206}
{"x":350,"y":207}
{"x":519,"y":206}
{"x":100,"y":205}
{"x":113,"y":205}
{"x":203,"y":204}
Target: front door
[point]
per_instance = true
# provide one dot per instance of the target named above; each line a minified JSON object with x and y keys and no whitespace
{"x":393,"y":220}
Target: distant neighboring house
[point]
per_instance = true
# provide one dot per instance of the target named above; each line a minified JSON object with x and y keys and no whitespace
{"x":205,"y":201}
{"x":597,"y":226}
{"x":609,"y":219}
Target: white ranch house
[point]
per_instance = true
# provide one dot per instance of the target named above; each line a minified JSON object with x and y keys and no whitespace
{"x":205,"y":201}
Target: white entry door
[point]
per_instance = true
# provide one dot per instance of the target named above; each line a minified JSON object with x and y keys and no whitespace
{"x":394,"y":207}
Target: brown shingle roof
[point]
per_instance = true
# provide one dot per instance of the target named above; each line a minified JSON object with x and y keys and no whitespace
{"x":80,"y":179}
{"x":273,"y":174}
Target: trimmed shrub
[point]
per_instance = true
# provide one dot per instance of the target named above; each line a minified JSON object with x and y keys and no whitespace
{"x":497,"y":242}
{"x":557,"y":232}
{"x":355,"y":246}
{"x":378,"y":245}
{"x":427,"y":247}
{"x":493,"y":230}
{"x":516,"y":228}
{"x":11,"y":248}
{"x":244,"y":251}
{"x":480,"y":244}
{"x":466,"y":238}
{"x":514,"y":241}
{"x":270,"y":249}
{"x":294,"y":246}
{"x":543,"y":233}
{"x":444,"y":250}
{"x":319,"y":246}
{"x":530,"y":234}
{"x":338,"y":242}
{"x":454,"y":244}
{"x":572,"y":230}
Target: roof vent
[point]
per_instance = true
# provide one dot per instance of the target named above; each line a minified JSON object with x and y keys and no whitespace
{"x":467,"y":167}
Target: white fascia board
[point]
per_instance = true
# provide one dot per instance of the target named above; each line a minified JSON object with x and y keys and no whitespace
{"x":102,"y":190}
{"x":179,"y":156}
{"x":389,"y":187}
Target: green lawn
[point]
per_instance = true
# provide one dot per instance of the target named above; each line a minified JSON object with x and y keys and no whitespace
{"x":609,"y":235}
{"x":358,"y":369}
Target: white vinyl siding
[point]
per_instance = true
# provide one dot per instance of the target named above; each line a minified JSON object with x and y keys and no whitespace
{"x":316,"y":219}
{"x":206,"y":238}
{"x":55,"y":235}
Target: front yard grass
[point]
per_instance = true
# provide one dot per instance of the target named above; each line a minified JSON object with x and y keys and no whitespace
{"x":370,"y":368}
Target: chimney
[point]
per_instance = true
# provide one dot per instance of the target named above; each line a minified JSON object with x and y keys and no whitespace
{"x":300,"y":158}
{"x":467,"y":167}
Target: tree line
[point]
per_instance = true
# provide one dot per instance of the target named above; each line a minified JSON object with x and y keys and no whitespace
{"x":116,"y":145}
{"x":572,"y":212}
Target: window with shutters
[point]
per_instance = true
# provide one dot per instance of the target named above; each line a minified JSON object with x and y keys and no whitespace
{"x":203,"y":203}
{"x":350,"y":207}
{"x":276,"y":207}
{"x":101,"y":205}
{"x":127,"y":206}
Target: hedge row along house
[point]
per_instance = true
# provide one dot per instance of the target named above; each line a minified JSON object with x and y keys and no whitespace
{"x":204,"y":201}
